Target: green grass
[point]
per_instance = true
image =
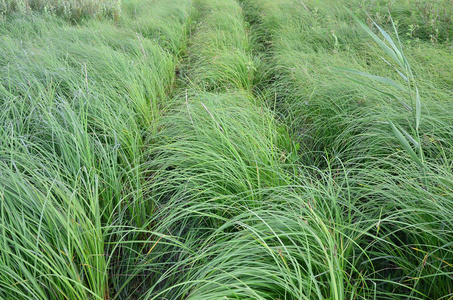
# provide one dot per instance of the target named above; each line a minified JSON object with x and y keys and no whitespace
{"x":332,"y":117}
{"x":73,"y":10}
{"x":77,"y":106}
{"x":215,"y":150}
{"x":220,"y":54}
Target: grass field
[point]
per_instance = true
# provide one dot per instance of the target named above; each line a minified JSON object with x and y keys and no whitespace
{"x":226,"y":149}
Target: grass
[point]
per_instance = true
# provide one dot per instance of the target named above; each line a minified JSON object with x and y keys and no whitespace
{"x":220,"y":54}
{"x":75,"y":115}
{"x":73,"y":10}
{"x":212,"y":150}
{"x":335,"y":117}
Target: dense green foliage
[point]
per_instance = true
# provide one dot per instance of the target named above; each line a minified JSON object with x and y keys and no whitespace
{"x":77,"y":104}
{"x":69,"y":9}
{"x":225,"y":149}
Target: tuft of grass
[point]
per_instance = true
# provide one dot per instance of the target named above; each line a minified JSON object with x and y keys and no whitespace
{"x":73,"y":10}
{"x":169,"y":23}
{"x":395,"y":51}
{"x":207,"y":154}
{"x":221,"y":49}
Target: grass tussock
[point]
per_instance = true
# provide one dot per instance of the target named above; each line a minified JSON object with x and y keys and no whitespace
{"x":77,"y":104}
{"x":283,"y":248}
{"x":73,"y":10}
{"x":167,"y":22}
{"x":335,"y":117}
{"x":203,"y":144}
{"x":220,"y":52}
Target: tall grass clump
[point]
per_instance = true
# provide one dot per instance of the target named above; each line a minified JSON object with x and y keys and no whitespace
{"x":298,"y":56}
{"x":203,"y":144}
{"x":77,"y":104}
{"x":207,"y":169}
{"x":395,"y":51}
{"x":221,"y":52}
{"x":422,"y":239}
{"x":305,"y":48}
{"x":52,"y":236}
{"x":167,"y":22}
{"x":417,"y":20}
{"x":238,"y":220}
{"x":409,"y":250}
{"x":73,"y":10}
{"x":296,"y":243}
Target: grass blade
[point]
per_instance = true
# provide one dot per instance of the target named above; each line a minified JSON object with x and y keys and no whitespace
{"x":396,"y":50}
{"x":380,"y":79}
{"x":418,"y":108}
{"x":410,"y":138}
{"x":380,"y":91}
{"x":390,"y":52}
{"x":405,"y":144}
